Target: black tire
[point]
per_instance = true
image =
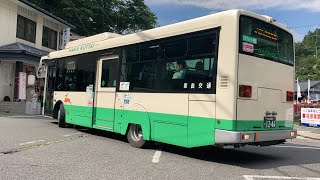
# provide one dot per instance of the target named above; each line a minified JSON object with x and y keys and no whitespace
{"x":61,"y":116}
{"x":135,"y":136}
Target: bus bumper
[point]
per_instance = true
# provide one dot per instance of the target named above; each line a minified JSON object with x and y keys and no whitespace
{"x":248,"y":137}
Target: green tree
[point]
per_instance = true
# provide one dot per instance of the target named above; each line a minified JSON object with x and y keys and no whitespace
{"x":307,"y":63}
{"x":96,"y":16}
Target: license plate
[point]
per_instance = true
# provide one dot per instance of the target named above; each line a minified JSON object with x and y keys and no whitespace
{"x":269,"y":122}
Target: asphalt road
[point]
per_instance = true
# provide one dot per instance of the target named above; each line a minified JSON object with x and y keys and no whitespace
{"x":35,"y":148}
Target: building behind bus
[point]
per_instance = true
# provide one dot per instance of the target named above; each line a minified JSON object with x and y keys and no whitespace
{"x":28,"y":33}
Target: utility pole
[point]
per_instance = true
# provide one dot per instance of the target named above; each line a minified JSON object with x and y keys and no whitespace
{"x":316,"y":45}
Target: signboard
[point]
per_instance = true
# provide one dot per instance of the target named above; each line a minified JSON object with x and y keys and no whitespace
{"x":71,"y":67}
{"x":310,"y":116}
{"x":249,"y":39}
{"x":65,"y":37}
{"x":22,"y":85}
{"x":247,"y":47}
{"x":124,"y":86}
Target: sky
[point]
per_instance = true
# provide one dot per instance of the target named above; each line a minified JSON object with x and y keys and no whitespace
{"x":301,"y":16}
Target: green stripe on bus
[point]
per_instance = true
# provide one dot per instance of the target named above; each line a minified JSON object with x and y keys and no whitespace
{"x":167,"y":128}
{"x":78,"y":115}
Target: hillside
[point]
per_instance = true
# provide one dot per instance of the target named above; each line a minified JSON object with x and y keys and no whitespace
{"x":307,"y":63}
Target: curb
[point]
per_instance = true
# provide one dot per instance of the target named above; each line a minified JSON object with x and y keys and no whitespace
{"x":308,"y":137}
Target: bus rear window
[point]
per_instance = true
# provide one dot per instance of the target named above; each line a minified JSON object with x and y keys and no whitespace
{"x":264,"y":40}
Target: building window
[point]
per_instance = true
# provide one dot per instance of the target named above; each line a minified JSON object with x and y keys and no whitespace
{"x":26,"y":29}
{"x":49,"y":38}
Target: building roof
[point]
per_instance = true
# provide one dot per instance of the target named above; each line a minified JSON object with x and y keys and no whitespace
{"x":47,"y":13}
{"x":21,"y":48}
{"x":304,"y":85}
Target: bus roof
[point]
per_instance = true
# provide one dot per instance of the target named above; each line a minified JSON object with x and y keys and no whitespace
{"x":111,"y":40}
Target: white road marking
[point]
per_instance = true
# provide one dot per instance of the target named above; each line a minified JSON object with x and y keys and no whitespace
{"x":156,"y":157}
{"x":31,"y":142}
{"x":306,"y":139}
{"x":299,"y":137}
{"x":67,"y":135}
{"x":304,"y":131}
{"x":253,"y":177}
{"x":20,"y":116}
{"x":47,"y":116}
{"x":299,"y":147}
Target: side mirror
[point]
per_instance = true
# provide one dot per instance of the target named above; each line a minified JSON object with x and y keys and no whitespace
{"x":41,"y":71}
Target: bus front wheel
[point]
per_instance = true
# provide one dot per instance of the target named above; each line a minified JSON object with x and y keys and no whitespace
{"x":62,"y":117}
{"x":135,"y":136}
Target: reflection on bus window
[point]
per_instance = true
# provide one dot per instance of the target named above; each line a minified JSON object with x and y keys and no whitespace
{"x":191,"y":76}
{"x":264,"y":40}
{"x":109,"y":73}
{"x":183,"y":64}
{"x":75,"y":76}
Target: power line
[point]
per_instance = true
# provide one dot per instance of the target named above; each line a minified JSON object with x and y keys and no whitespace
{"x":78,"y":16}
{"x":103,"y":11}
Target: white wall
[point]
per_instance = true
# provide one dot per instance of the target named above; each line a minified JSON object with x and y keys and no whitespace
{"x":9,"y":9}
{"x":8,"y":24}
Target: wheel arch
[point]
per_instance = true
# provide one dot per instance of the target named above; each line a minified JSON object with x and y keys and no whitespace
{"x":137,"y":115}
{"x":56,"y":108}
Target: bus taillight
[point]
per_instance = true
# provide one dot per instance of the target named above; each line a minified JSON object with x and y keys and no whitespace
{"x":245,"y":91}
{"x":289,"y":96}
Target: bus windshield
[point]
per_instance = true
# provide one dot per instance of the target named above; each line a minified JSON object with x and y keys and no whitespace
{"x":264,"y":40}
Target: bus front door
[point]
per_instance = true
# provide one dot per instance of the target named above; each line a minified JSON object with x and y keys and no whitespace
{"x":105,"y":91}
{"x":51,"y":75}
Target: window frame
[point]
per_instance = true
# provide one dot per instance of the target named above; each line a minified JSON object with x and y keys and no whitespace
{"x":112,"y":60}
{"x":49,"y":32}
{"x":77,"y":58}
{"x":259,"y":56}
{"x":161,"y":60}
{"x":26,"y":23}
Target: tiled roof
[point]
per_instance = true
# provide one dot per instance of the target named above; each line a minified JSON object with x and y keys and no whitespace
{"x":21,"y":48}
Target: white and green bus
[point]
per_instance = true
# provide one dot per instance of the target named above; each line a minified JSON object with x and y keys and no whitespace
{"x":222,"y":79}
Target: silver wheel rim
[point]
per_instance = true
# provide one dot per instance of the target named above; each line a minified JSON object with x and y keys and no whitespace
{"x":136,"y":133}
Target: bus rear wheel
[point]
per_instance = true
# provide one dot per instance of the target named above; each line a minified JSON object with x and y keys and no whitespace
{"x":62,"y":117}
{"x":135,"y":136}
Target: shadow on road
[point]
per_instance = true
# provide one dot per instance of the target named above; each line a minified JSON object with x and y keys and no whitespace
{"x":102,"y":133}
{"x":24,"y":117}
{"x":253,"y":157}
